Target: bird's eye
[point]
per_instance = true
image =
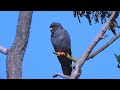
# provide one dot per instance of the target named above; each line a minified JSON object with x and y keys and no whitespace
{"x":53,"y":27}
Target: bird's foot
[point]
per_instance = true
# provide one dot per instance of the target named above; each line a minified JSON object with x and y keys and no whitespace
{"x":60,"y":53}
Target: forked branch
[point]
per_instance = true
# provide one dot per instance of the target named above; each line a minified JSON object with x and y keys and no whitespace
{"x":76,"y":72}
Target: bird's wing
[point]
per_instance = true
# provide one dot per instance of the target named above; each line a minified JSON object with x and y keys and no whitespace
{"x":61,"y":42}
{"x":65,"y":42}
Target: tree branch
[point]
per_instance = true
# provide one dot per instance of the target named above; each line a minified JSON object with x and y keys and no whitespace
{"x":4,"y":50}
{"x":76,"y":72}
{"x":104,"y":46}
{"x":61,"y":75}
{"x":17,"y":51}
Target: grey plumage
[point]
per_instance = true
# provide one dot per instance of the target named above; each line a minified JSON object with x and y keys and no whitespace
{"x":61,"y":42}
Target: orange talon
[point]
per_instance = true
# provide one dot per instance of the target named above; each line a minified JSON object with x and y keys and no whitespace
{"x":60,"y":53}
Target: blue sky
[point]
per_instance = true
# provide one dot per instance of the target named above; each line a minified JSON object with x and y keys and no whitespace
{"x":39,"y":61}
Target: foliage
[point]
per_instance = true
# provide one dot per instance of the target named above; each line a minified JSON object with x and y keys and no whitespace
{"x":96,"y":15}
{"x":118,"y":59}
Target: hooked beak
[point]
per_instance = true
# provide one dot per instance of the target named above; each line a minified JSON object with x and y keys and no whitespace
{"x":51,"y":29}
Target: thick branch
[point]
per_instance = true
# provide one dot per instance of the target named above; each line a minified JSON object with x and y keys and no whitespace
{"x":17,"y":51}
{"x":76,"y":73}
{"x":4,"y":50}
{"x":103,"y":47}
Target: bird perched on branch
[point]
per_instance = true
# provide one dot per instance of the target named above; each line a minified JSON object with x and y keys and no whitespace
{"x":62,"y":45}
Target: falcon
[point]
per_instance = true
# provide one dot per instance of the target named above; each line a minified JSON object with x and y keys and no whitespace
{"x":62,"y":45}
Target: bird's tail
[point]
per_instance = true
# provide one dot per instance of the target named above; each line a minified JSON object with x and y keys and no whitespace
{"x":66,"y":65}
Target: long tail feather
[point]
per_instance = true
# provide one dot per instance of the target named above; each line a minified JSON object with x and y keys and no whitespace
{"x":66,"y":65}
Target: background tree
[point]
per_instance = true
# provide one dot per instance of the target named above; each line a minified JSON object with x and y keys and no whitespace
{"x":96,"y":15}
{"x":16,"y":53}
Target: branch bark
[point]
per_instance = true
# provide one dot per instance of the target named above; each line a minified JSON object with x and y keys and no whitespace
{"x":61,"y":75}
{"x":77,"y":71}
{"x":17,"y":51}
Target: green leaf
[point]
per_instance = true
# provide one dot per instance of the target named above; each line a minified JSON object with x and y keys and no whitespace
{"x":117,"y":57}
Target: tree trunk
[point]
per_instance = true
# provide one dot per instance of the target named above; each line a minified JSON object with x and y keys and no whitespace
{"x":17,"y":51}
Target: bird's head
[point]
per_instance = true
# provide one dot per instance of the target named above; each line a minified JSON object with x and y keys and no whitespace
{"x":55,"y":26}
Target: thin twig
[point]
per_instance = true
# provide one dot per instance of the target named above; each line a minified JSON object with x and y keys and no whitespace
{"x":3,"y":50}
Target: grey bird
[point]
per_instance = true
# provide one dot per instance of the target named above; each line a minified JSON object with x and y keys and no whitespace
{"x":62,"y":45}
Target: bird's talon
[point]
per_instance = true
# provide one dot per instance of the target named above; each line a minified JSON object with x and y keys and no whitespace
{"x":60,"y":53}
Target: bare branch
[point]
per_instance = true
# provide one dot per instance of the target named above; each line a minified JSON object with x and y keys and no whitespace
{"x":61,"y":75}
{"x":104,"y":46}
{"x":4,"y":50}
{"x":76,"y":73}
